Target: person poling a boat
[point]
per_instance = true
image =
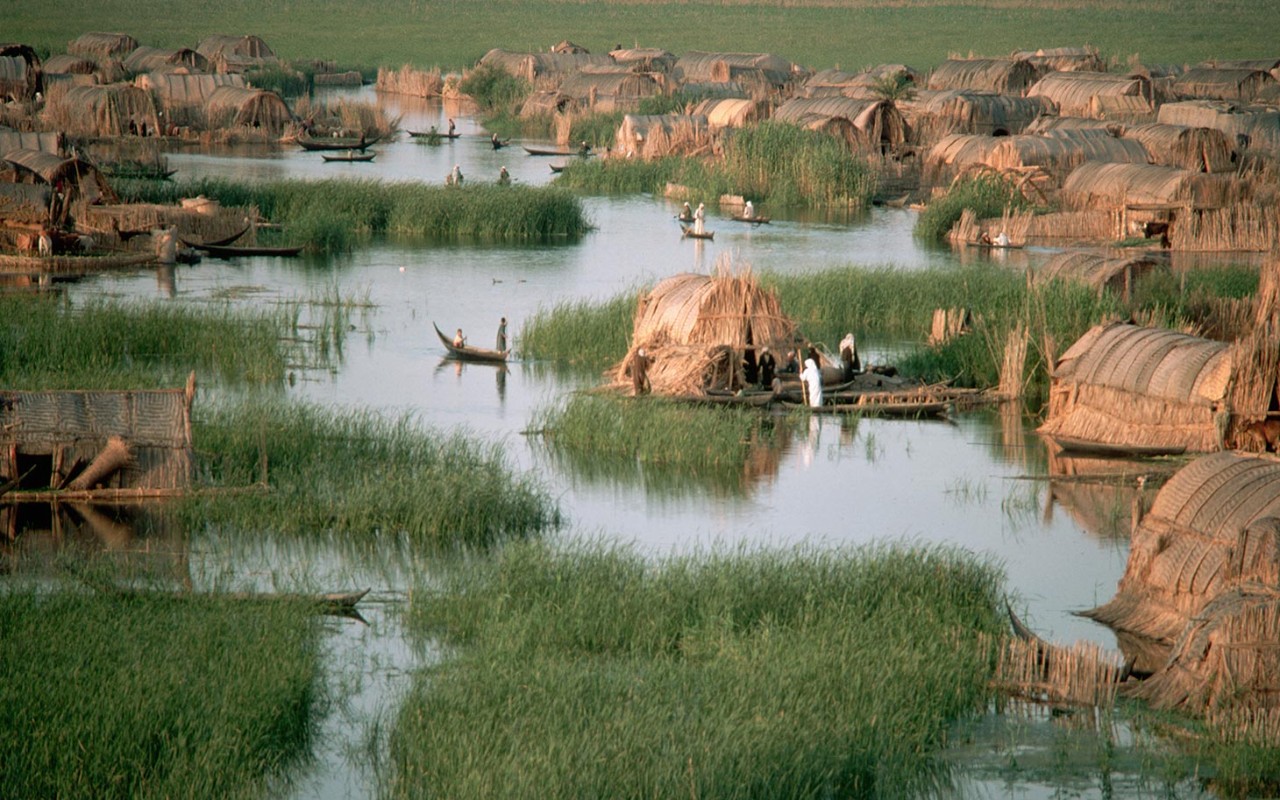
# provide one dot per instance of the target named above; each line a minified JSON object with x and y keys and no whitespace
{"x":502,"y":335}
{"x":812,"y":378}
{"x":451,"y":127}
{"x":686,"y":213}
{"x":700,"y":220}
{"x":459,"y":340}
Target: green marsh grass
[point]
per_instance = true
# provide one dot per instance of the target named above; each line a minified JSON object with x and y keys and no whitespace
{"x":583,"y":333}
{"x":665,"y":445}
{"x":359,"y":477}
{"x":329,"y":215}
{"x":772,"y":162}
{"x":113,"y":697}
{"x":987,"y":195}
{"x":46,"y":344}
{"x":591,"y":672}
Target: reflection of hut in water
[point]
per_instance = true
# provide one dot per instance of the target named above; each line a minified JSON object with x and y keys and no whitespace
{"x":1098,"y":271}
{"x":1105,"y":496}
{"x":697,"y":329}
{"x":1203,"y":582}
{"x":134,"y":442}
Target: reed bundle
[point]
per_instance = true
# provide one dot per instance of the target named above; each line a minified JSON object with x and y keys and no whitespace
{"x":1074,"y":225}
{"x":1013,"y":366}
{"x":1239,"y":226}
{"x":410,"y":81}
{"x":948,"y":323}
{"x":1080,"y":675}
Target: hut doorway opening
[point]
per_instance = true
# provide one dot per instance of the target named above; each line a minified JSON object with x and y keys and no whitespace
{"x":1000,"y":132}
{"x":33,"y":470}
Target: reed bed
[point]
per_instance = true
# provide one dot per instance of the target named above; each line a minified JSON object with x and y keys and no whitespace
{"x":357,"y":476}
{"x":352,"y":117}
{"x":45,"y":344}
{"x":771,"y":162}
{"x":660,"y":444}
{"x":580,"y":333}
{"x":114,"y":697}
{"x":591,"y":672}
{"x":329,"y":214}
{"x":410,"y":81}
{"x":986,"y":195}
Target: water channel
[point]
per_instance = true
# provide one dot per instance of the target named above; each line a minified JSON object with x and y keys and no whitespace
{"x":978,"y":481}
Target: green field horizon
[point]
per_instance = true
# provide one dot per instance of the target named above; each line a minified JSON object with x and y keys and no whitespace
{"x":849,"y":34}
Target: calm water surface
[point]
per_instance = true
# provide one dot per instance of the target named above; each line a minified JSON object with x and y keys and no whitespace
{"x":977,"y":482}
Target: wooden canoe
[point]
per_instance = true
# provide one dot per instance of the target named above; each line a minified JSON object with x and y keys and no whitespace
{"x":231,"y":251}
{"x":429,"y":134}
{"x":552,"y":151}
{"x":307,"y":143}
{"x":469,"y":353}
{"x":216,"y":242}
{"x":557,"y":166}
{"x":686,"y":231}
{"x":30,"y":265}
{"x":1074,"y":446}
{"x":349,"y":156}
{"x":756,"y":220}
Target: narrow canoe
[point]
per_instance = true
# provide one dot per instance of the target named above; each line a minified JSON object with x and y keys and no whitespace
{"x":307,"y":143}
{"x":1072,"y":445}
{"x":469,"y":353}
{"x":429,"y":134}
{"x":216,"y":242}
{"x":348,"y":156}
{"x":757,"y":220}
{"x":231,"y":251}
{"x":551,"y":151}
{"x":690,"y":233}
{"x":24,"y":264}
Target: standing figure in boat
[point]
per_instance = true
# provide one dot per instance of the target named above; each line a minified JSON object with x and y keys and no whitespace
{"x":812,"y":377}
{"x":850,"y":363}
{"x":700,"y":220}
{"x":451,"y":127}
{"x":768,"y":368}
{"x":502,"y":335}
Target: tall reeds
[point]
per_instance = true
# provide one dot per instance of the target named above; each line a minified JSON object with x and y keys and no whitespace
{"x":987,"y":195}
{"x":128,"y":697}
{"x":591,"y":672}
{"x":580,"y":333}
{"x":357,"y":477}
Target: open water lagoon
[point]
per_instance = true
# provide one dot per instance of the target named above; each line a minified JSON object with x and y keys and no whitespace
{"x":982,"y":480}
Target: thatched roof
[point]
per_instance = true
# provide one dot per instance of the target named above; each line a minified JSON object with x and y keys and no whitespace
{"x":752,"y":69}
{"x":239,"y":106}
{"x":176,"y":90}
{"x":1221,"y":84}
{"x":696,"y":329}
{"x":1246,"y":126}
{"x":1061,"y":151}
{"x":879,"y":121}
{"x":47,"y":142}
{"x":953,"y":153}
{"x":855,"y":84}
{"x":103,"y":110}
{"x":19,"y":72}
{"x":1096,"y":270}
{"x":934,"y":114}
{"x":547,"y":101}
{"x":646,"y":59}
{"x":531,"y":66}
{"x":1195,"y":149}
{"x":68,"y":64}
{"x":658,"y":135}
{"x":1121,"y":384}
{"x":154,"y":59}
{"x":1050,"y":122}
{"x":235,"y":53}
{"x":1073,"y":92}
{"x":1097,"y":185}
{"x":1063,"y":59}
{"x":99,"y":45}
{"x":1000,"y":75}
{"x":732,"y":112}
{"x":609,"y":91}
{"x":78,"y":179}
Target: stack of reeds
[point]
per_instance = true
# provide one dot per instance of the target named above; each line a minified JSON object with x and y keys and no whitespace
{"x":1074,"y":225}
{"x":948,"y":323}
{"x":1239,"y":226}
{"x":1080,"y":675}
{"x":410,"y":81}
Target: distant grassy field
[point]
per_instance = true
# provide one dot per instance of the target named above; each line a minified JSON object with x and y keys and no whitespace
{"x":817,"y":33}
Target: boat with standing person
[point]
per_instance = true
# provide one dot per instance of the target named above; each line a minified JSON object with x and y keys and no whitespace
{"x":466,"y":352}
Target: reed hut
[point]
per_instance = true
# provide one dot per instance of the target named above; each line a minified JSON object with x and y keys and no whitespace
{"x":1074,"y":93}
{"x":552,"y":67}
{"x":998,"y":75}
{"x":1247,"y":127}
{"x":1194,"y":149}
{"x":932,"y":115}
{"x":101,"y":46}
{"x":1051,"y":122}
{"x":697,"y":329}
{"x":1062,"y":59}
{"x":154,"y":59}
{"x":1142,"y":192}
{"x":242,"y":107}
{"x":1212,"y":530}
{"x":1058,"y":153}
{"x":644,"y":59}
{"x":1098,"y":271}
{"x":1124,"y":386}
{"x":133,"y":442}
{"x":68,"y":64}
{"x":732,"y":112}
{"x":115,"y":109}
{"x":183,"y":97}
{"x":761,"y":74}
{"x":955,"y":154}
{"x":1207,"y":83}
{"x":658,"y":135}
{"x":236,"y":53}
{"x":19,"y":72}
{"x":45,"y":142}
{"x":72,"y":179}
{"x":547,"y":102}
{"x":878,"y":122}
{"x":605,"y":92}
{"x":859,"y":85}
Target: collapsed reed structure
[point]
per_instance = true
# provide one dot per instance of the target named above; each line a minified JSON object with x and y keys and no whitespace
{"x":696,"y":330}
{"x":660,"y":135}
{"x":134,"y":441}
{"x":62,"y":183}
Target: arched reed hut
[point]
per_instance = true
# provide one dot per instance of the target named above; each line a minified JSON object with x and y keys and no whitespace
{"x":236,"y":53}
{"x":1050,"y":122}
{"x":532,"y":66}
{"x":879,"y":123}
{"x":732,"y":112}
{"x":1112,"y":186}
{"x":154,"y":59}
{"x":1247,"y":127}
{"x":696,"y":329}
{"x":932,"y":115}
{"x":68,"y":64}
{"x":1074,"y":93}
{"x":644,"y":59}
{"x":73,"y":180}
{"x":242,"y":107}
{"x":1059,"y":152}
{"x":1213,"y":529}
{"x":1121,"y":385}
{"x":860,"y":85}
{"x":606,"y":92}
{"x":100,"y":46}
{"x":956,"y":153}
{"x":20,"y":72}
{"x":1206,"y":83}
{"x":116,"y":109}
{"x":1099,"y":272}
{"x":760,"y":73}
{"x":1063,"y":59}
{"x":1194,"y":149}
{"x":999,"y":75}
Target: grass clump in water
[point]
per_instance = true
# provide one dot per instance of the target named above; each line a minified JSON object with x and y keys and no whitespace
{"x":661,"y":443}
{"x":357,"y":474}
{"x":116,"y":697}
{"x":988,"y":195}
{"x":580,"y":333}
{"x":46,"y":344}
{"x":591,"y":672}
